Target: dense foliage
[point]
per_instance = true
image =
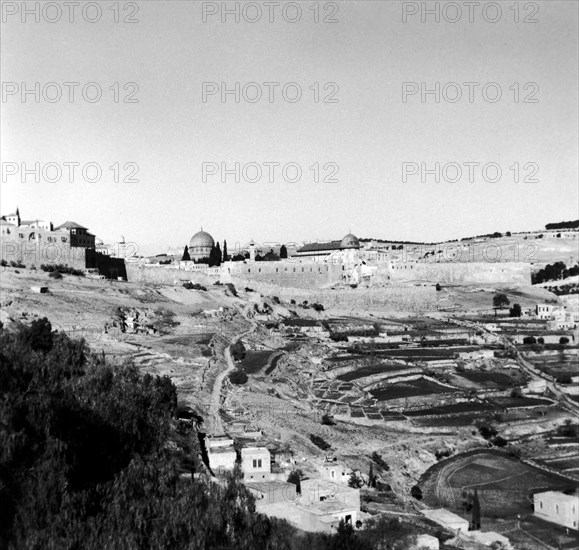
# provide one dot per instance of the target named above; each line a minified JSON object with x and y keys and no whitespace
{"x":554,"y":272}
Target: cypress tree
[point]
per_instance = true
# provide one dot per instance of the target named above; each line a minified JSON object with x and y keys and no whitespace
{"x":186,"y":257}
{"x":225,"y":256}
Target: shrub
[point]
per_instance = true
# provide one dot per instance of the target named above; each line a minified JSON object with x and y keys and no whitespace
{"x":231,"y":288}
{"x":3,"y":263}
{"x":238,"y":377}
{"x":319,"y":442}
{"x":55,"y":275}
{"x":317,"y":307}
{"x":438,"y":287}
{"x":529,"y":340}
{"x":328,"y":420}
{"x":355,"y":481}
{"x":563,"y":340}
{"x":379,"y":461}
{"x":237,"y":351}
{"x":193,"y":286}
{"x":416,"y":492}
{"x":499,"y":441}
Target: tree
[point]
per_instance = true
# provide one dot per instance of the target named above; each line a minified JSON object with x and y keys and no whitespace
{"x":515,"y":311}
{"x":438,"y":287}
{"x":475,"y":511}
{"x":355,"y":481}
{"x":500,"y":301}
{"x":563,"y":340}
{"x":218,"y":256}
{"x":225,"y":255}
{"x":283,"y":252}
{"x":186,"y":257}
{"x":371,"y":477}
{"x":295,"y":477}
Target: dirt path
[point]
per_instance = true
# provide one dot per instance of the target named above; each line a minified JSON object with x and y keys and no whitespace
{"x":214,"y":405}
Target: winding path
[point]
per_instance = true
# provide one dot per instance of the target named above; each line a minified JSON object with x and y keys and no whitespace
{"x":214,"y":406}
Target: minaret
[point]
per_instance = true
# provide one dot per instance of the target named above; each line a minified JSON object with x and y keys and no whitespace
{"x":252,"y":251}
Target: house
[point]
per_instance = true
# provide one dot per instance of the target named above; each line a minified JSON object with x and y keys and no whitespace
{"x":334,"y":471}
{"x":447,"y":519}
{"x":255,"y":463}
{"x":271,"y":492}
{"x":557,"y":507}
{"x":221,"y":454}
{"x":320,"y":507}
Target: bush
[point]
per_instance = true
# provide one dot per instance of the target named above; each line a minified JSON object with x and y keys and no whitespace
{"x":416,"y":492}
{"x":237,"y":351}
{"x":563,"y":340}
{"x":3,"y":263}
{"x":193,"y":286}
{"x":317,"y":307}
{"x":499,"y":441}
{"x":328,"y":420}
{"x":238,"y":377}
{"x":319,"y":442}
{"x":231,"y":288}
{"x":529,"y":340}
{"x":438,"y":287}
{"x":355,"y":481}
{"x":55,"y":275}
{"x":379,"y":461}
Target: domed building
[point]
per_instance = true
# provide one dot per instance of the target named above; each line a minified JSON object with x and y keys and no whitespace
{"x":344,"y":250}
{"x":349,"y":241}
{"x":200,"y":245}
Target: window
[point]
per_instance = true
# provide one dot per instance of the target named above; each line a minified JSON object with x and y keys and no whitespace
{"x":63,"y":239}
{"x":541,"y":504}
{"x":259,"y":463}
{"x":333,"y":473}
{"x":255,"y":463}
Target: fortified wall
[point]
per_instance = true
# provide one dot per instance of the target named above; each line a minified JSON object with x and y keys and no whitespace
{"x":35,"y":254}
{"x":461,"y":272}
{"x":296,"y":275}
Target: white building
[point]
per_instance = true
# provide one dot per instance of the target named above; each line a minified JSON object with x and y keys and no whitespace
{"x":334,"y":471}
{"x":221,"y":453}
{"x":557,"y":507}
{"x":255,"y":463}
{"x":447,"y":519}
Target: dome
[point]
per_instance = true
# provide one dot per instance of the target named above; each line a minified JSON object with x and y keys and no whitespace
{"x":201,"y":240}
{"x":350,"y":241}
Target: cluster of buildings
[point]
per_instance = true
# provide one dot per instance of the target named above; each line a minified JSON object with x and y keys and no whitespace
{"x":316,"y":505}
{"x":37,"y":242}
{"x":559,"y":317}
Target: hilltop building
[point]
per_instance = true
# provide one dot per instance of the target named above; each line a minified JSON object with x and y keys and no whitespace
{"x":37,"y":242}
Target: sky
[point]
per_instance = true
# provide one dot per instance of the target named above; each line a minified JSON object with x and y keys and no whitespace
{"x":371,"y":144}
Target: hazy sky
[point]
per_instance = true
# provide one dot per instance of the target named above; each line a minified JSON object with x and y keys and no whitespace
{"x":369,"y":132}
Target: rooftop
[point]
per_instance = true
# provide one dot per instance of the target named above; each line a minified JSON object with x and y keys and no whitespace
{"x":70,"y":225}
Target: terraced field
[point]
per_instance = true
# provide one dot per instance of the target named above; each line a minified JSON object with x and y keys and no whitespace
{"x":410,"y":388}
